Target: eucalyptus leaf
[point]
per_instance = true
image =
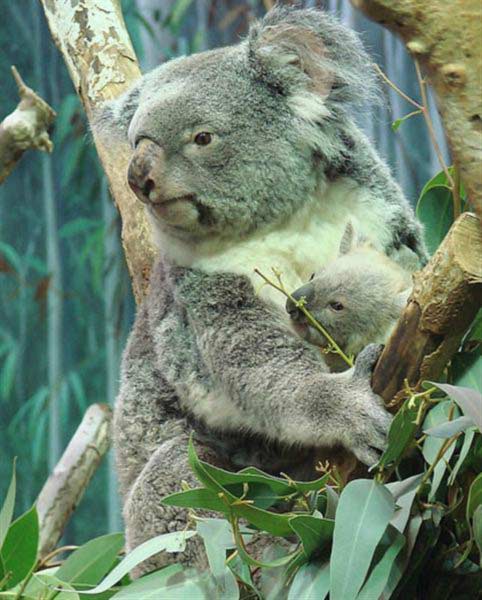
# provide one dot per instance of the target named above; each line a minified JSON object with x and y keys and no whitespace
{"x":310,"y":582}
{"x":331,"y":502}
{"x":464,"y":450}
{"x":401,"y":433}
{"x":314,"y":533}
{"x":477,"y":528}
{"x":474,"y":498}
{"x":218,"y":537}
{"x":89,"y":563}
{"x":6,"y":513}
{"x":469,"y":400}
{"x":153,"y":586}
{"x":43,"y":585}
{"x":380,"y":575}
{"x":19,"y":550}
{"x":450,"y":428}
{"x":404,"y":493}
{"x":432,"y":445}
{"x":364,"y":511}
{"x":276,"y":524}
{"x":436,"y":211}
{"x":200,"y":498}
{"x":167,"y":542}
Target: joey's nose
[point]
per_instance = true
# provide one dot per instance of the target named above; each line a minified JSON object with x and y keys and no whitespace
{"x":305,"y":291}
{"x":146,"y":170}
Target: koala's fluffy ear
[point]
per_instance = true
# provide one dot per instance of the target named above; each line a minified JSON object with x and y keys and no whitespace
{"x":295,"y":50}
{"x":290,"y":57}
{"x":112,"y":119}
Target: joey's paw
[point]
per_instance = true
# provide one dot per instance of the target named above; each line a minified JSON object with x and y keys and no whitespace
{"x":366,"y":361}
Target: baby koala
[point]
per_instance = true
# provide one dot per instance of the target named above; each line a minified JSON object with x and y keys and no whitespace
{"x":358,"y":297}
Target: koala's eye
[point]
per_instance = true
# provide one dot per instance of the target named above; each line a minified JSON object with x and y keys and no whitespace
{"x":203,"y":138}
{"x":311,"y":277}
{"x":337,"y":306}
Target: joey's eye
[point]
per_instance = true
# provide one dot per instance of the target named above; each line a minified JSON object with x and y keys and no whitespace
{"x":312,"y":276}
{"x":203,"y":138}
{"x":337,"y":306}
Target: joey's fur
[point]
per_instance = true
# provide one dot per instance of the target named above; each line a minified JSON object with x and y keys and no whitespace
{"x":284,"y":168}
{"x":358,"y":297}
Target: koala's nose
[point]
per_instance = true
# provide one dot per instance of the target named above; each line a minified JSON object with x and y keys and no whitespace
{"x":307,"y":292}
{"x":146,"y":170}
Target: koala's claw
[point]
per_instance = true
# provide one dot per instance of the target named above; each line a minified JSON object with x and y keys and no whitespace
{"x":366,"y":360}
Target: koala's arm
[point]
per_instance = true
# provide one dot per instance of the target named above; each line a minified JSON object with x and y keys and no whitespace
{"x":276,"y":383}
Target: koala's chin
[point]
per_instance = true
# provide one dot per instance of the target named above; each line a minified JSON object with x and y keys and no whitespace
{"x":176,"y":216}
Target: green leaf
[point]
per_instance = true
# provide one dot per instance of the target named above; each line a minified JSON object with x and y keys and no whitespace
{"x":364,"y":511}
{"x":477,"y":527}
{"x":380,"y":575}
{"x":432,"y":445}
{"x":310,"y":582}
{"x":218,"y":537}
{"x":43,"y":586}
{"x":450,"y":428}
{"x":154,"y":586}
{"x":331,"y":502}
{"x":403,"y":493}
{"x":276,"y":524}
{"x":89,"y":563}
{"x":475,"y":332}
{"x":468,"y":438}
{"x":196,"y":498}
{"x":474,"y":499}
{"x":168,"y":542}
{"x":401,"y":433}
{"x":9,"y":371}
{"x":6,"y":513}
{"x":19,"y":550}
{"x":469,"y":400}
{"x":435,"y":210}
{"x":466,"y":368}
{"x":176,"y":16}
{"x":9,"y":253}
{"x":396,"y":124}
{"x":314,"y":533}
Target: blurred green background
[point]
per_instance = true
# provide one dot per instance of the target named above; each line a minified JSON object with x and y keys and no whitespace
{"x":65,"y":300}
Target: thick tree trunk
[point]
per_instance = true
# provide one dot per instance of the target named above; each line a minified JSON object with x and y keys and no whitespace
{"x":92,"y":37}
{"x":444,"y":36}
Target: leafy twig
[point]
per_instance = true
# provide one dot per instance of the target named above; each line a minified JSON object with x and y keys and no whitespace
{"x":333,"y":346}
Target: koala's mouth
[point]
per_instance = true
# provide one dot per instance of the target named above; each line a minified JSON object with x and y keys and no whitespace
{"x":182,"y":209}
{"x":303,"y":328}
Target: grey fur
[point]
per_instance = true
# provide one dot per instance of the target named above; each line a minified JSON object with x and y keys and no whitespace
{"x":206,"y":352}
{"x":357,"y":298}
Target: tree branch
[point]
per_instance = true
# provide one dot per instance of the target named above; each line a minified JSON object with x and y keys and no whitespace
{"x":444,"y":37}
{"x":66,"y":485}
{"x":446,"y":296}
{"x":92,"y":37}
{"x":26,"y":127}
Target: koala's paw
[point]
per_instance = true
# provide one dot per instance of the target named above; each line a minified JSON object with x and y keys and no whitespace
{"x":369,"y":420}
{"x":366,"y":360}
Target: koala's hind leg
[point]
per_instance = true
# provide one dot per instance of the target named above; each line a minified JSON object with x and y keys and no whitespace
{"x":145,"y":517}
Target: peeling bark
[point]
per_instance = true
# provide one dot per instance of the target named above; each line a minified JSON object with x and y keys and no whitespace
{"x":93,"y":40}
{"x":444,"y":36}
{"x":446,"y":296}
{"x":26,"y":127}
{"x":65,"y":486}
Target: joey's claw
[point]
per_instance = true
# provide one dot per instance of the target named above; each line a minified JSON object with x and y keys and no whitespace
{"x":366,"y":360}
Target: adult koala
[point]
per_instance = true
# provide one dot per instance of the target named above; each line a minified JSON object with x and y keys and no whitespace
{"x":246,"y":157}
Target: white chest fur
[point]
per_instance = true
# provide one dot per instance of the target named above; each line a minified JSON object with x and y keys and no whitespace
{"x":300,"y":247}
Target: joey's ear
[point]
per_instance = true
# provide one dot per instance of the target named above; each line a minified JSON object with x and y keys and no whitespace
{"x":402,"y":298}
{"x":289,"y":56}
{"x":112,"y":119}
{"x":348,"y":239}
